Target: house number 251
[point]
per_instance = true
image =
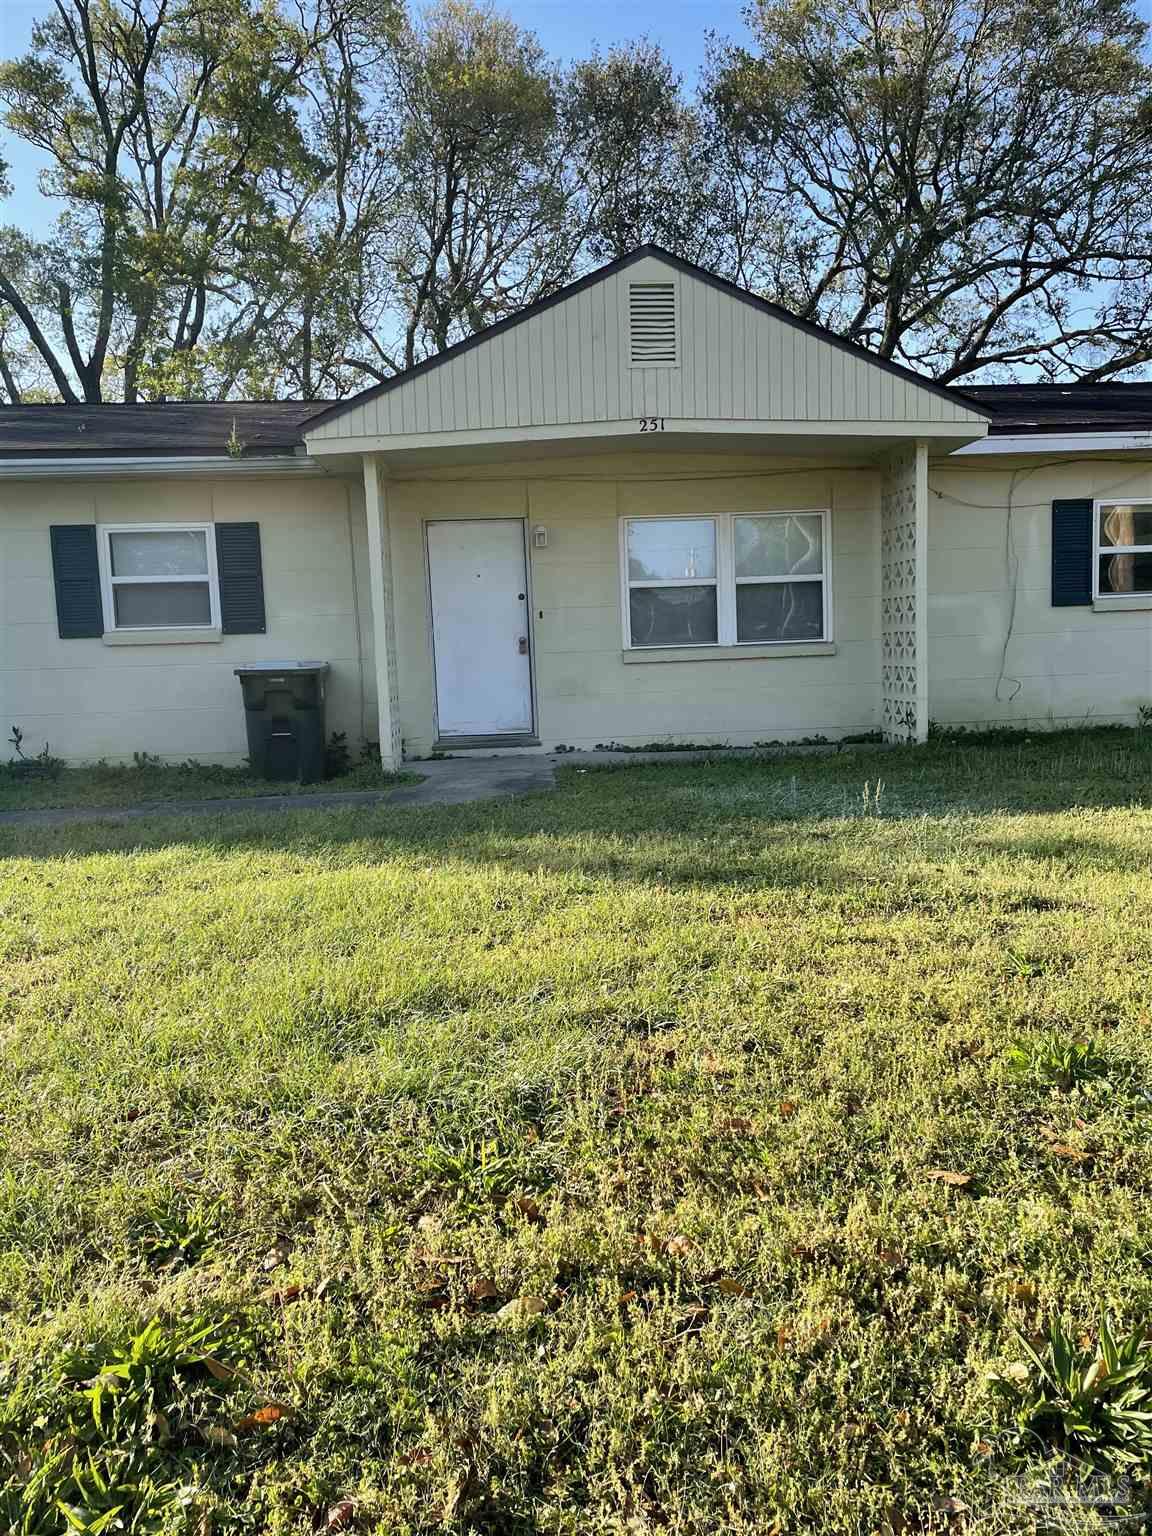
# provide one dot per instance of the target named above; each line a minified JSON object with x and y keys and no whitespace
{"x":651,"y":423}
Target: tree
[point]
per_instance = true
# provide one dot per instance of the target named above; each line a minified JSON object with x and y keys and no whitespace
{"x":964,"y":184}
{"x":480,"y":219}
{"x":642,"y":158}
{"x":179,"y":142}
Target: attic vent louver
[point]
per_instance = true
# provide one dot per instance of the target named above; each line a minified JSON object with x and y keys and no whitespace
{"x":652,"y":325}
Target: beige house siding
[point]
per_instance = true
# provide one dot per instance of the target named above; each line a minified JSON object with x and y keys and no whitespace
{"x":90,"y":700}
{"x":585,"y":693}
{"x":999,"y":652}
{"x":568,"y":364}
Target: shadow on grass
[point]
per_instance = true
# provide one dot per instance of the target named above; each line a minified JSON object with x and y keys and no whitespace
{"x":799,"y":821}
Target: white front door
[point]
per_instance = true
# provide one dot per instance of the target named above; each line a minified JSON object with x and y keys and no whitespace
{"x":476,"y":573}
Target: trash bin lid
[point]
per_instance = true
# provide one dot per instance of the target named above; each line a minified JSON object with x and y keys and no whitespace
{"x":255,"y":668}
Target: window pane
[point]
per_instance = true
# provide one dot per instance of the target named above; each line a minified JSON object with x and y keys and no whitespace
{"x":676,"y":549}
{"x":780,"y":546}
{"x":170,"y":552}
{"x":1125,"y":573}
{"x":150,"y":604}
{"x":784,"y":610}
{"x":672,"y":615}
{"x":1125,"y":525}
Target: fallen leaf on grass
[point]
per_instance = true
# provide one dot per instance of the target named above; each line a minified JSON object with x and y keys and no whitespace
{"x":951,"y":1506}
{"x":216,"y":1434}
{"x":692,"y":1322}
{"x":277,"y":1254}
{"x":787,"y":1109}
{"x":521,"y":1309}
{"x":280,"y":1295}
{"x":270,"y":1413}
{"x":217,"y":1369}
{"x":528,"y":1208}
{"x":729,"y":1287}
{"x":340,"y":1516}
{"x":947,"y":1176}
{"x":418,"y":1458}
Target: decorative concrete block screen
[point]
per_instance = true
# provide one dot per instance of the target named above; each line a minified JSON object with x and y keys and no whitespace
{"x":902,"y":532}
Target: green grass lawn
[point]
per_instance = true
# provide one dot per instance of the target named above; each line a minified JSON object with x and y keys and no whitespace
{"x":574,"y":1164}
{"x":115,"y":784}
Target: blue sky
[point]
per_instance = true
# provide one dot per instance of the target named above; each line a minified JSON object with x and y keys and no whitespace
{"x":567,"y":29}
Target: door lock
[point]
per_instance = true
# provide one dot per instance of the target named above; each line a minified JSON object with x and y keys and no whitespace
{"x":522,"y":645}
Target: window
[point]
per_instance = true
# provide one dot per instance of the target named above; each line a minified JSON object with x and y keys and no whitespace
{"x":1123,"y":552}
{"x":726,"y":580}
{"x":159,"y":576}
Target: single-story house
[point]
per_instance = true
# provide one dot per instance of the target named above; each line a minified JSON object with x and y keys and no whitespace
{"x":651,"y":507}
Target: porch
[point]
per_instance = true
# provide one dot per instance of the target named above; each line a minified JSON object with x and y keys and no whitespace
{"x":501,"y":603}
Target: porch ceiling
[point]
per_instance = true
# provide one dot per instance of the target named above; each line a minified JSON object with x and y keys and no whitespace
{"x":835,"y":442}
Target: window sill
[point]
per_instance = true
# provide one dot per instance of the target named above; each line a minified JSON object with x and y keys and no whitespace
{"x":1138,"y":602}
{"x":162,"y":636}
{"x":727,"y":652}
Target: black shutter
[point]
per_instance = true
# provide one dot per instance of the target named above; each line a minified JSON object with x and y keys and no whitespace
{"x":1071,"y":553}
{"x":241,"y":578}
{"x":76,"y":573}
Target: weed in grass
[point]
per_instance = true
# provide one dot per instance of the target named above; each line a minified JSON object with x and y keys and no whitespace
{"x":117,"y":1436}
{"x":1091,"y":1397}
{"x":475,"y":1175}
{"x":180,"y":1230}
{"x":1055,"y":1061}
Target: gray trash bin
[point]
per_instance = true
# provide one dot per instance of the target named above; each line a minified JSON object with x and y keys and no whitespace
{"x":284,"y":710}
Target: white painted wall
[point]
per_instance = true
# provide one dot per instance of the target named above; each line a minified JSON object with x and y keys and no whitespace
{"x":987,"y":583}
{"x":999,"y":652}
{"x":91,"y":700}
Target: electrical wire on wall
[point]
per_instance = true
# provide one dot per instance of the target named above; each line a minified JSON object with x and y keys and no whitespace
{"x":1011,"y":555}
{"x":1012,"y":574}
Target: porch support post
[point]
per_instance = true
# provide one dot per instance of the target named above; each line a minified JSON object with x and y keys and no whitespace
{"x":904,"y":594}
{"x":383,"y":614}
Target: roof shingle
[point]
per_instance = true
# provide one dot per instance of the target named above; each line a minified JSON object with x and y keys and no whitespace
{"x":192,"y":427}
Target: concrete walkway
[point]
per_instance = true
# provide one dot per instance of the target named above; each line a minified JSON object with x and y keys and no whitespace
{"x":444,"y":781}
{"x":451,"y":781}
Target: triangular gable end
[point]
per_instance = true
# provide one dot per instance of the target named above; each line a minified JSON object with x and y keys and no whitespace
{"x":647,"y":338}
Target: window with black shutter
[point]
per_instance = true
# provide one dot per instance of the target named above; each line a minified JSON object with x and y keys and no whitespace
{"x":76,"y":577}
{"x":241,"y":579}
{"x":1071,"y":553}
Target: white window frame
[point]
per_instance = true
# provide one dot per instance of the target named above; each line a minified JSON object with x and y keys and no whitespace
{"x":108,"y":582}
{"x":726,"y":581}
{"x":1100,"y":550}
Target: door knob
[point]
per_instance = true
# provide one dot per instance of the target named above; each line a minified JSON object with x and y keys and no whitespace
{"x":522,"y":645}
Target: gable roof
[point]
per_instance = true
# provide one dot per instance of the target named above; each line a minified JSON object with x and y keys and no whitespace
{"x":953,"y":404}
{"x":188,"y":427}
